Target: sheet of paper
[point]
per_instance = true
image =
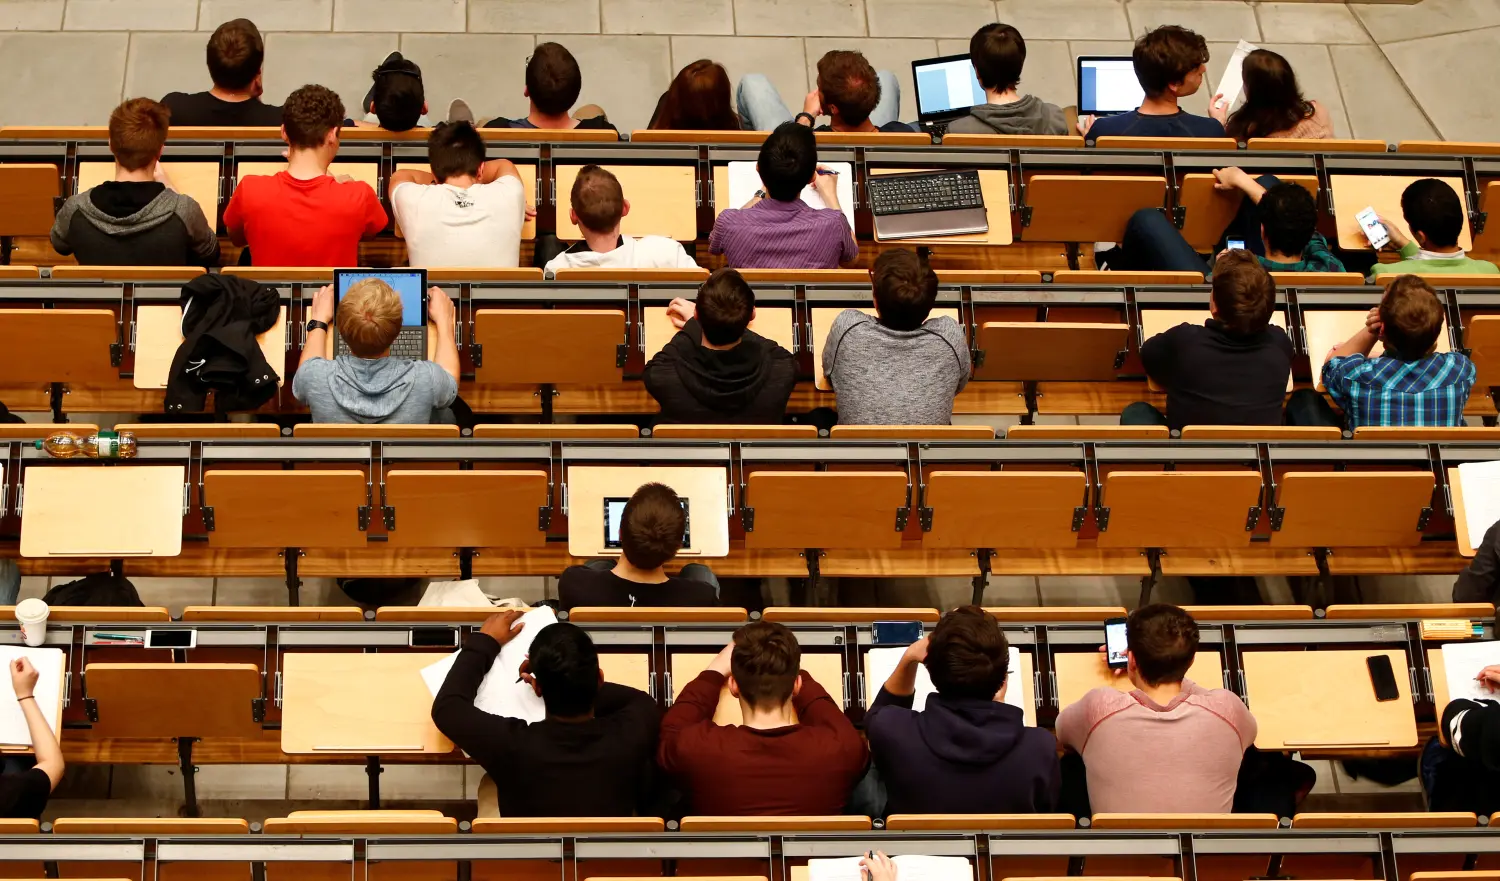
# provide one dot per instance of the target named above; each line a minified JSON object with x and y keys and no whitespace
{"x":909,"y":867}
{"x":880,"y":663}
{"x":1463,"y":661}
{"x":744,"y":180}
{"x":500,"y":694}
{"x":1233,"y":83}
{"x":48,"y":693}
{"x":1480,"y":482}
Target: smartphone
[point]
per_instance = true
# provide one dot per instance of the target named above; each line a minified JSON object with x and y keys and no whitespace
{"x":895,"y":632}
{"x":1382,"y":677}
{"x":171,"y":639}
{"x":1236,"y":244}
{"x":1369,"y":221}
{"x":1114,"y":643}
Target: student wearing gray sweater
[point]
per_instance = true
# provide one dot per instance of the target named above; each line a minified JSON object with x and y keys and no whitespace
{"x":898,"y":367}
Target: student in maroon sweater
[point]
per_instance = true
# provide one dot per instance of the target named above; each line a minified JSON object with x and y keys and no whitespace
{"x":794,"y":754}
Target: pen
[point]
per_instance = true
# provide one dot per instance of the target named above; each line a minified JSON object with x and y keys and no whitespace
{"x":827,"y":172}
{"x":121,"y":637}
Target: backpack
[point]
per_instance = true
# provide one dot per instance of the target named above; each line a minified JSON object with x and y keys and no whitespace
{"x":99,"y":589}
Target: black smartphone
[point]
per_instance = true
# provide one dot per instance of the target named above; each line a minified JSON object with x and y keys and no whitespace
{"x":1114,"y":643}
{"x":895,"y":632}
{"x":1382,"y":677}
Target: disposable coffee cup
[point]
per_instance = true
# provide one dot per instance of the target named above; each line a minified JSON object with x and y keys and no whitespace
{"x":32,"y":613}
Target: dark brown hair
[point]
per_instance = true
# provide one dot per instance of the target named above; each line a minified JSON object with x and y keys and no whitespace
{"x":1273,"y":101}
{"x":967,"y":655}
{"x":597,"y":199}
{"x":454,"y":148}
{"x":849,"y":85}
{"x":309,"y":114}
{"x":1432,"y":208}
{"x":1244,"y":293}
{"x":998,"y":53}
{"x":236,"y":53}
{"x":1410,"y":318}
{"x":1166,"y":56}
{"x":652,"y":525}
{"x":137,"y":131}
{"x":1163,"y":639}
{"x":905,"y":289}
{"x":699,"y":99}
{"x":725,"y":307}
{"x":765,"y":663}
{"x":553,"y":79}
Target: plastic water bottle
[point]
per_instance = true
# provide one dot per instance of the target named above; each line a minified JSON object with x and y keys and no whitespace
{"x":63,"y":445}
{"x":110,"y":445}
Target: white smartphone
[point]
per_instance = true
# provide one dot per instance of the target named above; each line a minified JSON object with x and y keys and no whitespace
{"x":1236,"y":244}
{"x":1375,"y":231}
{"x":1114,"y":643}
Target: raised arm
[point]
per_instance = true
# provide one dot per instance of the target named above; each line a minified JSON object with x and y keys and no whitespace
{"x":476,"y":732}
{"x":694,"y":706}
{"x":494,"y":169}
{"x":410,"y":176}
{"x":1363,"y":340}
{"x":49,"y":757}
{"x":440,"y":313}
{"x":321,"y":310}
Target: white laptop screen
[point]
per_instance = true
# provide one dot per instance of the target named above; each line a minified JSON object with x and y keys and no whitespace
{"x":946,"y":85}
{"x":1108,"y":85}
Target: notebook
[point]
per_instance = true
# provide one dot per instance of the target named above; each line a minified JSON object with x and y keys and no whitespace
{"x":48,"y":693}
{"x":1480,"y":484}
{"x":744,"y":180}
{"x":1463,"y":661}
{"x":501,"y":694}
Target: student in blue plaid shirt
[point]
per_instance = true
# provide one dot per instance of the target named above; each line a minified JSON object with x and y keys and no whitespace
{"x":1410,"y":384}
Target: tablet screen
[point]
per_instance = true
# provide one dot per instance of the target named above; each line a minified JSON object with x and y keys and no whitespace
{"x":408,"y":284}
{"x":1108,"y":85}
{"x":614,"y":513}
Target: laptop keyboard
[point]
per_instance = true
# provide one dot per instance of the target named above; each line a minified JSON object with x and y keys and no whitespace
{"x":409,"y":344}
{"x":920,"y":193}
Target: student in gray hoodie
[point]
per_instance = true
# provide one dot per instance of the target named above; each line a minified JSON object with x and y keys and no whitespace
{"x":998,"y":53}
{"x":368,"y":385}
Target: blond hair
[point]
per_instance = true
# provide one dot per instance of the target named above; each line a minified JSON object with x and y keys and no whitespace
{"x":369,"y":317}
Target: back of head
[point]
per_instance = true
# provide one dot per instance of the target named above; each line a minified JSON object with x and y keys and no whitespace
{"x":651,"y":527}
{"x":566,"y":666}
{"x":725,"y":306}
{"x":137,"y":131}
{"x":369,"y":317}
{"x":1273,"y":101}
{"x":236,"y":53}
{"x":598,"y":199}
{"x":1166,"y":56}
{"x":309,"y":114}
{"x":1243,"y":293}
{"x":1433,"y":209}
{"x":1289,"y":215}
{"x":998,"y":53}
{"x":849,"y":85}
{"x":787,"y":161}
{"x":454,"y":149}
{"x":399,"y":97}
{"x":905,"y":289}
{"x":967,"y":655}
{"x":553,"y":79}
{"x":1163,"y":639}
{"x":699,"y":99}
{"x":765,"y":663}
{"x":1411,"y":317}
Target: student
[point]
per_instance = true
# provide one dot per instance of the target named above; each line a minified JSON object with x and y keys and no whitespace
{"x":1410,"y":384}
{"x":715,"y":370}
{"x":1170,"y":63}
{"x":598,"y":205}
{"x":697,"y":100}
{"x":776,"y":229}
{"x":467,"y":212}
{"x":966,"y":752}
{"x":651,"y":530}
{"x":1480,"y":580}
{"x":1230,"y":370}
{"x":794,"y":753}
{"x":24,"y":793}
{"x":396,"y":101}
{"x":1436,"y":217}
{"x":1170,"y":746}
{"x":1461,"y":768}
{"x":304,"y":216}
{"x":998,"y":53}
{"x":898,"y":367}
{"x":367,"y":386}
{"x":592,"y":754}
{"x":137,"y":219}
{"x":850,"y":92}
{"x":1274,"y":106}
{"x":553,"y":82}
{"x":236,"y":54}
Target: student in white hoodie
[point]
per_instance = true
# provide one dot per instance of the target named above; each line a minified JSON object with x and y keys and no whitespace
{"x":598,"y":204}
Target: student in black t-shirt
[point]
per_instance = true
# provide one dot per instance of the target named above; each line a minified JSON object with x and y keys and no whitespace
{"x":651,"y":530}
{"x":235,"y":56}
{"x":553,"y":81}
{"x":1170,"y":63}
{"x":24,"y":792}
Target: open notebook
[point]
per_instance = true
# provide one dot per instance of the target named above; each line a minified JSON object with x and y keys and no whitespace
{"x":744,"y":180}
{"x":1480,"y":482}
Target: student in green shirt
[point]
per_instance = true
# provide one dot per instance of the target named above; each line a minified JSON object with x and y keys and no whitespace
{"x":1436,"y":217}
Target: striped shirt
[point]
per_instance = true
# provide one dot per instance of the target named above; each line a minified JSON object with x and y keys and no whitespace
{"x":783,"y":235}
{"x":1385,"y":391}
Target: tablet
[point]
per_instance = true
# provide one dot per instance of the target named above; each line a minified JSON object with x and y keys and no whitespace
{"x":614,"y":513}
{"x":1107,"y":85}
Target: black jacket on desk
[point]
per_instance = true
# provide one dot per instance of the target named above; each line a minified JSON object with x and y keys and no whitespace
{"x":746,"y":385}
{"x":221,"y":316}
{"x":604,"y":767}
{"x":1213,"y":377}
{"x":582,"y":586}
{"x":961,"y":756}
{"x":1480,"y":580}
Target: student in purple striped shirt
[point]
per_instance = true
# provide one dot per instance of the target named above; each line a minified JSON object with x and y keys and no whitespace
{"x":776,"y":229}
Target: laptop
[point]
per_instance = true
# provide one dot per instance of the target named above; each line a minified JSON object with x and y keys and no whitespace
{"x":1107,"y":85}
{"x":946,"y":89}
{"x":411,"y":286}
{"x":614,"y":512}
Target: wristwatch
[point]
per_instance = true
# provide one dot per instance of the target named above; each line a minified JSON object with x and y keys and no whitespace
{"x":315,"y":324}
{"x":811,"y":120}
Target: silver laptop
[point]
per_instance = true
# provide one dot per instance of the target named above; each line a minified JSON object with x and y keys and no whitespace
{"x":411,"y":286}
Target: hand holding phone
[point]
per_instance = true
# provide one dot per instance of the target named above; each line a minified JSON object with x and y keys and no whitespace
{"x":1374,"y":230}
{"x":1236,"y":244}
{"x":1114,"y":644}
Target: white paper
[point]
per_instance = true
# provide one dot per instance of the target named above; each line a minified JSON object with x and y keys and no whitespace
{"x":1480,"y":484}
{"x":880,"y":663}
{"x":463,"y":594}
{"x":909,"y":867}
{"x":744,"y":180}
{"x":48,"y":693}
{"x":1463,"y":661}
{"x":1233,"y":83}
{"x":500,"y":694}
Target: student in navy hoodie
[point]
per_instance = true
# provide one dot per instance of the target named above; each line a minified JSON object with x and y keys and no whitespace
{"x":965,"y":752}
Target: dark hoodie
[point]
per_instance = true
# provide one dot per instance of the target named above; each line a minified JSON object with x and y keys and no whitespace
{"x":134,"y":223}
{"x":746,"y":385}
{"x":961,"y":756}
{"x":1028,"y":116}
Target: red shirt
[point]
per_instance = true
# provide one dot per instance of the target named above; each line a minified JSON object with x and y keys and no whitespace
{"x":291,"y":222}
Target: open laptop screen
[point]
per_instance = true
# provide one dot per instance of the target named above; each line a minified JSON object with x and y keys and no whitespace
{"x":1107,"y":84}
{"x":946,"y":86}
{"x":408,"y":284}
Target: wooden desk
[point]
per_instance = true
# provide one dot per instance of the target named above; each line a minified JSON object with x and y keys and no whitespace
{"x":822,"y":320}
{"x":994,"y":185}
{"x":1078,"y":673}
{"x":1460,"y":516}
{"x":1438,"y":667}
{"x":1155,"y":321}
{"x":528,"y":185}
{"x":102,"y":511}
{"x":705,"y":488}
{"x":1327,"y":328}
{"x":1024,"y":679}
{"x":773,"y":323}
{"x":1087,"y":208}
{"x":158,"y":334}
{"x":1210,"y":210}
{"x":1324,"y":700}
{"x":1353,"y":193}
{"x":197,"y":180}
{"x":663,"y":200}
{"x":358,"y":702}
{"x":627,"y":668}
{"x":826,"y":668}
{"x":364,"y":172}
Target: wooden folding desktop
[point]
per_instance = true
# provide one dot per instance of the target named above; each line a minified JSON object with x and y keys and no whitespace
{"x":158,"y":335}
{"x":1261,"y":432}
{"x":912,"y":432}
{"x":1316,"y":145}
{"x":1178,"y":509}
{"x":361,"y":703}
{"x":663,"y":200}
{"x":1353,"y":193}
{"x":822,"y":321}
{"x":102,"y":511}
{"x":826,"y":669}
{"x":1482,"y":339}
{"x":831,"y":509}
{"x":1088,"y":432}
{"x":559,"y":431}
{"x":1311,"y":700}
{"x":1050,"y":351}
{"x":549,"y":346}
{"x":171,"y":274}
{"x":706,"y":487}
{"x":772,"y":322}
{"x":466,"y":509}
{"x":1087,"y":208}
{"x":58,"y":345}
{"x":285,"y":509}
{"x":195,"y":430}
{"x":1318,"y":279}
{"x":1207,"y":211}
{"x":1114,"y":279}
{"x":1003,"y":509}
{"x":528,"y":188}
{"x":1156,"y":321}
{"x":1356,"y":509}
{"x":1078,"y":673}
{"x":994,"y":187}
{"x":27,"y":198}
{"x":198,"y":181}
{"x":1327,"y":328}
{"x":735,"y":432}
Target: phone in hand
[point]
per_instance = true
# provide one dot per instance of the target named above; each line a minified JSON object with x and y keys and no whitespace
{"x":1114,"y":643}
{"x":1236,"y":244}
{"x":1382,"y":677}
{"x":1374,"y":230}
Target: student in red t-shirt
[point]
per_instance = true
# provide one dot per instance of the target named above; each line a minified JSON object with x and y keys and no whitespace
{"x":304,"y":216}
